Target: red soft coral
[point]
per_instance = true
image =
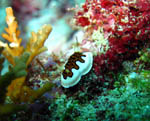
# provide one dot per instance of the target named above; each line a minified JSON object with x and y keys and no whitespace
{"x":83,"y":21}
{"x":143,"y":5}
{"x":107,"y":3}
{"x":127,"y":24}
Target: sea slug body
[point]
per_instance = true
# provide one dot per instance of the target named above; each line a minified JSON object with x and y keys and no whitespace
{"x":78,"y":64}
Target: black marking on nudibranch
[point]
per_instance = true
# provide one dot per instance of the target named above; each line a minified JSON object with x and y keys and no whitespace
{"x":77,"y":56}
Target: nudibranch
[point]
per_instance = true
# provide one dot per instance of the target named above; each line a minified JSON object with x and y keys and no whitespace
{"x":78,"y":64}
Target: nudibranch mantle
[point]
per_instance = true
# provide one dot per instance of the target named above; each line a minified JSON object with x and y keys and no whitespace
{"x":78,"y":64}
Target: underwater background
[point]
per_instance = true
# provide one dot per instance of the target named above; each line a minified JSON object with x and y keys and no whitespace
{"x":74,"y":60}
